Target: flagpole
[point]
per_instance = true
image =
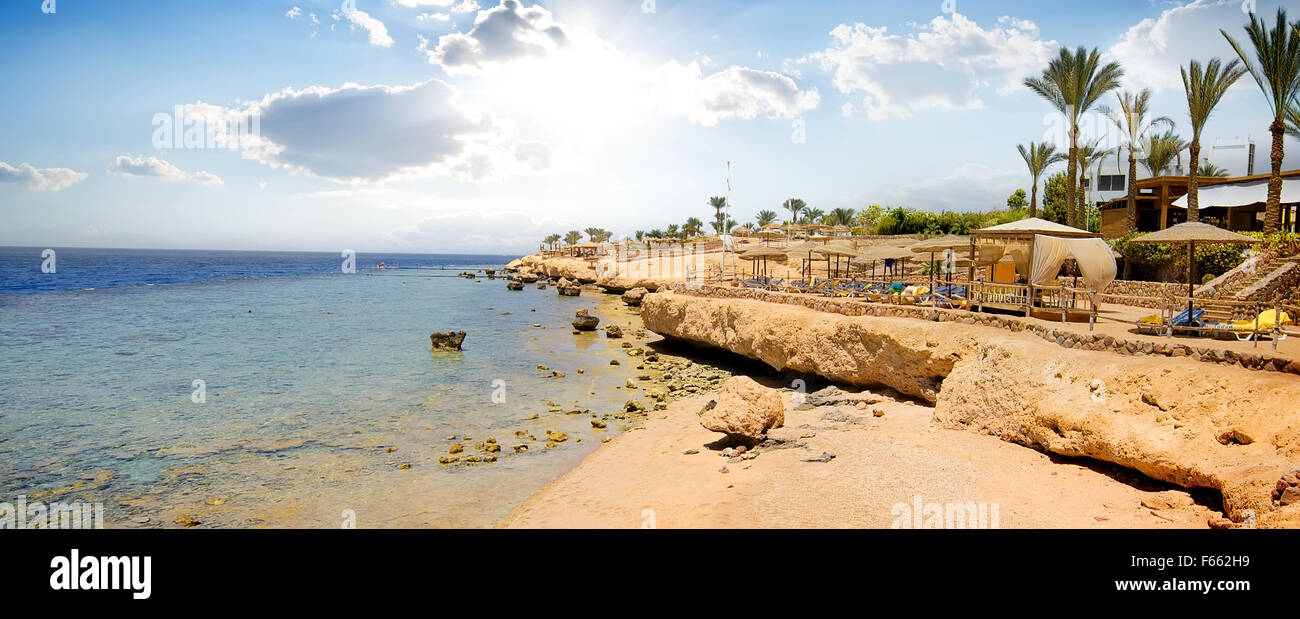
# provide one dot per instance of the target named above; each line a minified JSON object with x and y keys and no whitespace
{"x":725,"y":214}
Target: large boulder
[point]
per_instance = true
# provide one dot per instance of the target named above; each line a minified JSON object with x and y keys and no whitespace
{"x":744,"y":410}
{"x":634,"y":296}
{"x":568,"y":288}
{"x":449,"y":340}
{"x":584,"y":321}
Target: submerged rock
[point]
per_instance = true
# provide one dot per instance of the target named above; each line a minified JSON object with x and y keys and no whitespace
{"x":584,"y":321}
{"x":450,"y":340}
{"x":514,"y":285}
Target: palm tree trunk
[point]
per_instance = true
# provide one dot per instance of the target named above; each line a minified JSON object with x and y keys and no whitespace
{"x":1132,"y":208}
{"x":1082,"y":217}
{"x":1033,"y":199}
{"x":1073,"y":165}
{"x":1273,"y":208}
{"x":1193,"y":195}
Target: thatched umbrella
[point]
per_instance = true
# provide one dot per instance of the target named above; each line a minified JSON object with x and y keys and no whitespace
{"x":939,"y":244}
{"x":1193,"y":232}
{"x":802,"y":251}
{"x":839,"y":250}
{"x":885,"y":252}
{"x":763,"y":253}
{"x":768,"y":235}
{"x":741,"y":231}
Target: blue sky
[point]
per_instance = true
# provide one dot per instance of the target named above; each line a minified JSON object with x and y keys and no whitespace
{"x":454,"y":125}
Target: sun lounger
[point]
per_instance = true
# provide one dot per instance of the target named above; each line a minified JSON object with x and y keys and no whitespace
{"x":1155,"y":324}
{"x":1245,"y":330}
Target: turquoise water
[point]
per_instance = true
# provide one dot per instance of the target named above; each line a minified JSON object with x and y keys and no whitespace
{"x":318,"y":389}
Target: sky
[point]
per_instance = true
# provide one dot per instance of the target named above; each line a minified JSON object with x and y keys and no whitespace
{"x":482,"y":126}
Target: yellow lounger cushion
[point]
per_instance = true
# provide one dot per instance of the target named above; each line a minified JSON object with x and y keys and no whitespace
{"x":1267,"y":320}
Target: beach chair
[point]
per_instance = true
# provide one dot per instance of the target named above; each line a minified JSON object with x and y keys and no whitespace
{"x":1246,"y":330}
{"x":1156,"y":324}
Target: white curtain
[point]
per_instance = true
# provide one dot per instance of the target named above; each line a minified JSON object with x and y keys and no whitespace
{"x":1096,"y":262}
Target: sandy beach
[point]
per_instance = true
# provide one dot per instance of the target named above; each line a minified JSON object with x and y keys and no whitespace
{"x":879,"y":464}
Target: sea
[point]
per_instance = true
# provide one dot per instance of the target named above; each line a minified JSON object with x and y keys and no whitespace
{"x":278,"y":389}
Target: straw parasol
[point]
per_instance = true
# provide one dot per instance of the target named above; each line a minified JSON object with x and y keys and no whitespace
{"x":771,"y":226}
{"x":801,"y":251}
{"x":838,"y":250}
{"x":740,"y":230}
{"x":1193,"y":232}
{"x":763,"y":253}
{"x":885,"y":252}
{"x":940,"y":244}
{"x":769,"y":234}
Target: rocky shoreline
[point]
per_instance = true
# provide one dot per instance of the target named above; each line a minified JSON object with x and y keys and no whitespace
{"x":1227,"y":433}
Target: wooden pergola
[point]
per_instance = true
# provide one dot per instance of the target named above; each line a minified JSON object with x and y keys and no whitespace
{"x":1022,"y":231}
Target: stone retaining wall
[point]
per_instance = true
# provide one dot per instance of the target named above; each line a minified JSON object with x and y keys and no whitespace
{"x":1152,"y":291}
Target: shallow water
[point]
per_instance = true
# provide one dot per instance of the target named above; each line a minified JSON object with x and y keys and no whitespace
{"x":317,"y":389}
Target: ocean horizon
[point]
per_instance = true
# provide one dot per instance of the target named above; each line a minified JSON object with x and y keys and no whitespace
{"x":23,"y":269}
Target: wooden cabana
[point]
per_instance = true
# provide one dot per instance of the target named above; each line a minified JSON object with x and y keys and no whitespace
{"x":1020,"y":239}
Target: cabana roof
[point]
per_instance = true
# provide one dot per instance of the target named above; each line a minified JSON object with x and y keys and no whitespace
{"x":1026,"y":228}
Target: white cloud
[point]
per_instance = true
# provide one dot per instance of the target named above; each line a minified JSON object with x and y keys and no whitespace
{"x":126,"y":165}
{"x":535,"y":155}
{"x":378,"y":33}
{"x":584,"y":86}
{"x":736,"y":92}
{"x":461,"y":7}
{"x":293,"y":13}
{"x":941,"y":65}
{"x":971,"y":187}
{"x":359,"y":134}
{"x":433,"y":17}
{"x":1152,"y":51}
{"x":204,"y":177}
{"x":506,"y":32}
{"x":32,"y":178}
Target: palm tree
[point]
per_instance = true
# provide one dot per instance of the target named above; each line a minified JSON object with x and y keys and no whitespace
{"x":572,"y":237}
{"x":1131,"y":119}
{"x":640,"y":234}
{"x":795,"y":205}
{"x":692,"y":227}
{"x":1204,"y":88}
{"x":842,"y":216}
{"x":656,"y":233}
{"x":1277,"y":51}
{"x":1038,"y":157}
{"x":765,"y":217}
{"x":672,"y":232}
{"x":593,"y":234}
{"x":1293,"y":118}
{"x":1210,"y":170}
{"x":1162,"y":151}
{"x":719,"y":204}
{"x":552,"y":240}
{"x":1090,"y":154}
{"x":1073,"y":84}
{"x":813,"y":215}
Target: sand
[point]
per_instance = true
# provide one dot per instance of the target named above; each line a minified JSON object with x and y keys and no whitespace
{"x":881,"y":466}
